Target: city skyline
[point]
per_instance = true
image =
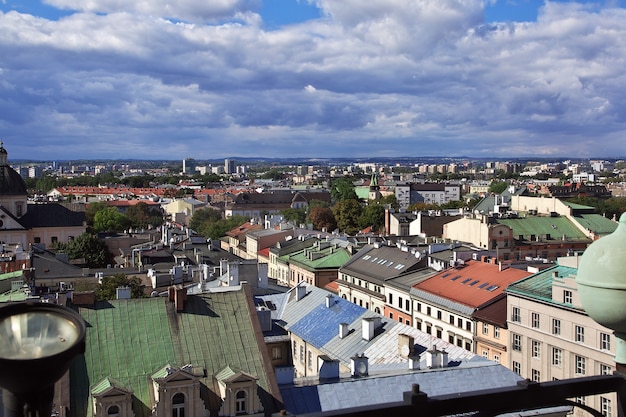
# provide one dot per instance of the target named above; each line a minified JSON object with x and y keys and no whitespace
{"x":303,"y":79}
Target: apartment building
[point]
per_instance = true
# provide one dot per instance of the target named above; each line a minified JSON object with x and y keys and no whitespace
{"x":550,"y":335}
{"x":445,"y":303}
{"x":362,"y":280}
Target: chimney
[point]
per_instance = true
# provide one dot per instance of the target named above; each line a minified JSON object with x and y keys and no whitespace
{"x":343,"y":330}
{"x":300,"y":291}
{"x":406,"y":345}
{"x":265,"y":319}
{"x":436,"y":358}
{"x":262,"y":270}
{"x":359,"y":365}
{"x":329,"y":301}
{"x":369,"y":326}
{"x":180,"y":296}
{"x":414,"y":363}
{"x":327,"y":368}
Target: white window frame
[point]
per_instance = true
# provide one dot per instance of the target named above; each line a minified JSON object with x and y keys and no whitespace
{"x":557,"y":356}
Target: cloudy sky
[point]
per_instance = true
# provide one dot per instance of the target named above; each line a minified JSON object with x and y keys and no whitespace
{"x":162,"y":79}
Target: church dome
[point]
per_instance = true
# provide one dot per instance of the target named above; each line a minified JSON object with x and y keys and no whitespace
{"x":11,"y":183}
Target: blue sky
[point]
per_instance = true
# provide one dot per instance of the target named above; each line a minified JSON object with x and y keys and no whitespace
{"x":323,"y":78}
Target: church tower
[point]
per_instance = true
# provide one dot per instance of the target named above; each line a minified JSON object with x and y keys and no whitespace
{"x":374,"y":193}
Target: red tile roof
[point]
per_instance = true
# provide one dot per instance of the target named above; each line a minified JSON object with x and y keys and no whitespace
{"x":473,"y":284}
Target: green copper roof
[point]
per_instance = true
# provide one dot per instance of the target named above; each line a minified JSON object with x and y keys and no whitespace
{"x":539,"y":285}
{"x":556,"y":227}
{"x":597,"y":223}
{"x":11,"y":275}
{"x":314,"y":260}
{"x":133,"y":340}
{"x":106,"y":384}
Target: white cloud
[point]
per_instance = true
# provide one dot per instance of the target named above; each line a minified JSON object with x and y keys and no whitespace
{"x":421,"y":77}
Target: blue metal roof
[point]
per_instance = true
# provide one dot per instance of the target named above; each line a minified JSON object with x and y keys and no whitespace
{"x":341,"y":311}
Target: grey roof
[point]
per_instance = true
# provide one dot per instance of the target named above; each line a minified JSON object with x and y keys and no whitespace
{"x":52,"y":215}
{"x":442,"y":301}
{"x":376,"y":389}
{"x":380,"y":263}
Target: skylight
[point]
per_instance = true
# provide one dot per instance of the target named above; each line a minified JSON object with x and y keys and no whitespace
{"x":466,"y":280}
{"x":366,"y":257}
{"x":456,"y":277}
{"x":447,"y":274}
{"x":493,"y":287}
{"x":483,"y":285}
{"x":473,"y":283}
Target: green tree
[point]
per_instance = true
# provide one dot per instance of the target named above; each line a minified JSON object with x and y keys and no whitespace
{"x":497,"y":187}
{"x":373,"y":215}
{"x":322,"y":218}
{"x":202,"y":219}
{"x":110,"y":220}
{"x":342,"y":188}
{"x":107,"y":290}
{"x":218,"y":229}
{"x":90,"y":248}
{"x":347,"y":213}
{"x":142,"y":215}
{"x":92,"y":209}
{"x":295,"y":216}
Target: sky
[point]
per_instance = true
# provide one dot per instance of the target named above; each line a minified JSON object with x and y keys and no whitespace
{"x":158,"y":79}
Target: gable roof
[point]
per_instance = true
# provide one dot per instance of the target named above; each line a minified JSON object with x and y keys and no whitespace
{"x":378,"y":263}
{"x":52,"y":215}
{"x":470,"y":285}
{"x":131,"y":340}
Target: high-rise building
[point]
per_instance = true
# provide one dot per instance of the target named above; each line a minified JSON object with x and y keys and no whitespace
{"x":189,"y":165}
{"x":230,"y":166}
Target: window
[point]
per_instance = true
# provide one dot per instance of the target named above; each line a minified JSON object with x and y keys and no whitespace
{"x":240,"y":402}
{"x":459,"y":322}
{"x":295,"y":349}
{"x":428,"y":311}
{"x":605,"y":407}
{"x":277,"y":352}
{"x":485,"y":328}
{"x":439,"y":331}
{"x":418,"y":325}
{"x":496,"y":358}
{"x":515,"y":315}
{"x":486,"y":354}
{"x":301,"y":354}
{"x":113,"y":411}
{"x":535,"y":320}
{"x":605,"y":369}
{"x":557,"y":356}
{"x":580,"y":365}
{"x":391,"y":315}
{"x":517,"y":342}
{"x":536,"y":375}
{"x":468,"y":346}
{"x":400,"y":302}
{"x":390,"y":301}
{"x":407,"y":305}
{"x":579,"y":334}
{"x":439,"y":314}
{"x":536,"y":351}
{"x":451,"y":319}
{"x":310,"y":360}
{"x":178,"y":405}
{"x":605,"y":341}
{"x":496,"y":332}
{"x":567,"y":296}
{"x":580,"y":400}
{"x":556,"y":327}
{"x":451,"y":338}
{"x":428,"y":329}
{"x":468,"y":326}
{"x":517,"y":368}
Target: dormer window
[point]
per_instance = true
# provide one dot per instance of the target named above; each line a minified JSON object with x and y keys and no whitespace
{"x":178,"y":405}
{"x":240,"y":403}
